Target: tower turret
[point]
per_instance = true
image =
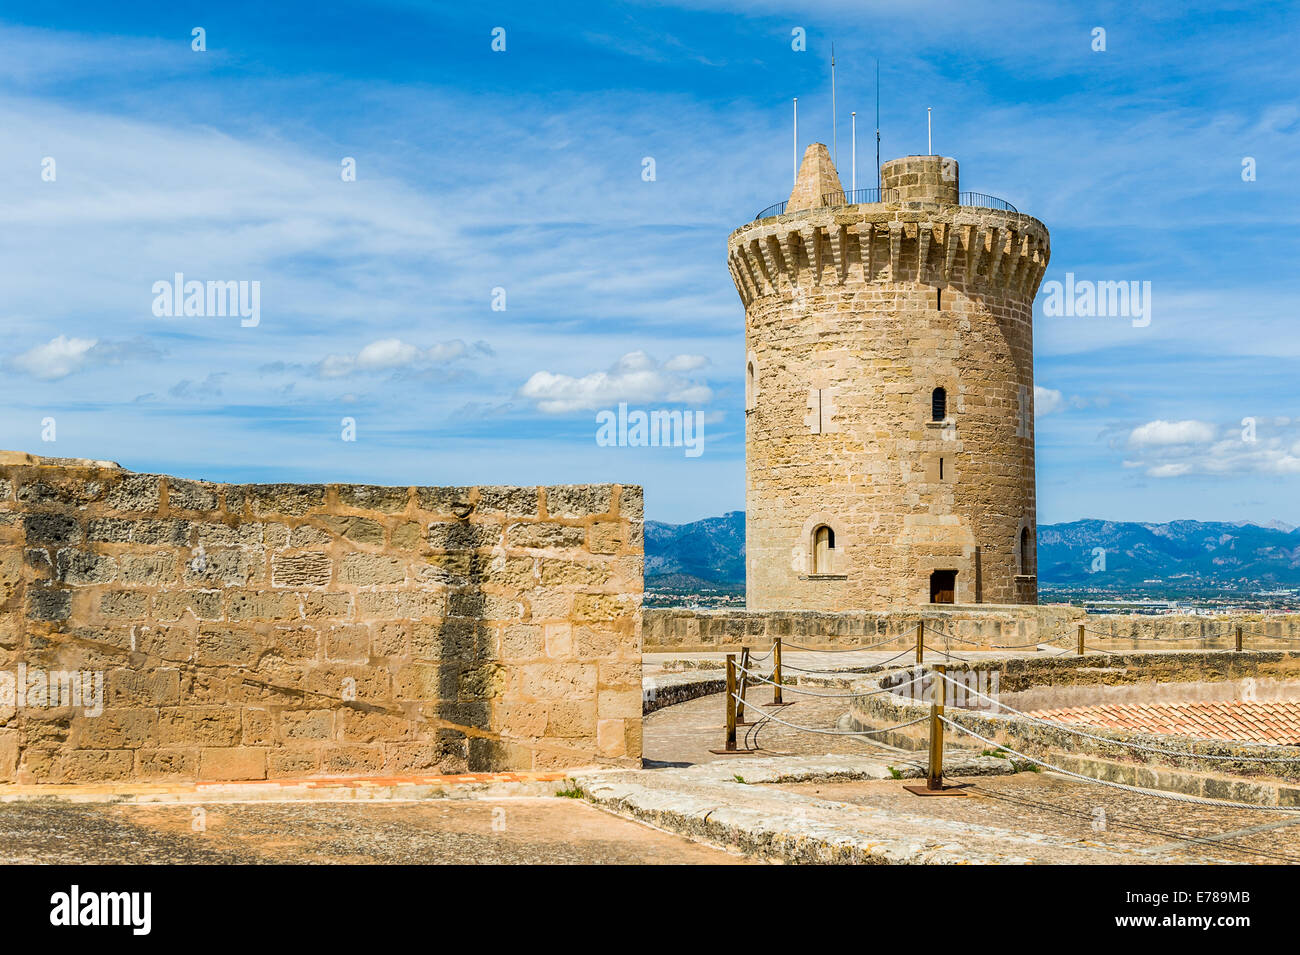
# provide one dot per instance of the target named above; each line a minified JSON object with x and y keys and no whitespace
{"x":889,"y":392}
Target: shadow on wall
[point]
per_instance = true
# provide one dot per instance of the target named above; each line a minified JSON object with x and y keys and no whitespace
{"x":468,"y":668}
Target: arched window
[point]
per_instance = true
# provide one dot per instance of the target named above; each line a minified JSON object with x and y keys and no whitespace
{"x":938,"y":405}
{"x":823,"y":549}
{"x":1025,"y":567}
{"x":749,"y":386}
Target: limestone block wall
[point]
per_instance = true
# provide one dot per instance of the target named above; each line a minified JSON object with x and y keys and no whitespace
{"x":672,"y":629}
{"x":282,"y":630}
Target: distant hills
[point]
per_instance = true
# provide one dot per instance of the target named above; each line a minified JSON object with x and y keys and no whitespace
{"x":711,"y":551}
{"x":1178,"y":554}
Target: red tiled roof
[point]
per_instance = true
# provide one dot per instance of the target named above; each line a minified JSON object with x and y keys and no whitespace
{"x":1276,"y":722}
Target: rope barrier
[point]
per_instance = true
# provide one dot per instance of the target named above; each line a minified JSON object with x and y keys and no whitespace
{"x":1021,"y":646}
{"x":869,"y":646}
{"x":1127,"y":745}
{"x":788,"y":666}
{"x":1112,"y":636}
{"x":1158,"y":794}
{"x":829,"y":732}
{"x":795,"y":688}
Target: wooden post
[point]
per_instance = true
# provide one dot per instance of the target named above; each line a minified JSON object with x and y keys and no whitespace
{"x":776,"y":671}
{"x":731,"y":701}
{"x":744,"y":682}
{"x":1080,"y":639}
{"x":934,"y":774}
{"x":1239,"y":639}
{"x":920,"y":641}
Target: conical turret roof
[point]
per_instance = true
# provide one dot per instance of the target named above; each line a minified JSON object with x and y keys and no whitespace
{"x":817,"y":176}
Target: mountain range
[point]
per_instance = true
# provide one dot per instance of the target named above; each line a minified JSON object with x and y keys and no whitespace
{"x":1091,"y":553}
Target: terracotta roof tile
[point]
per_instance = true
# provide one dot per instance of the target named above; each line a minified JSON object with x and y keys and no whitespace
{"x":1272,"y":722}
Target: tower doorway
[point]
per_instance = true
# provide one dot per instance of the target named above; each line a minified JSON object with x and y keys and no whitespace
{"x":943,"y":587}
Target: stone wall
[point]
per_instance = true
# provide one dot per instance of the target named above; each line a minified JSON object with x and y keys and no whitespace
{"x":284,"y":630}
{"x":673,"y":629}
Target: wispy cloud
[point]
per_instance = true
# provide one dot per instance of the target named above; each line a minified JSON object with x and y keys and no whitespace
{"x":634,"y":377}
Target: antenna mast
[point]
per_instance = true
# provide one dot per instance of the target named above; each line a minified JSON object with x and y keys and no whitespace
{"x":854,"y":186}
{"x":878,"y":125}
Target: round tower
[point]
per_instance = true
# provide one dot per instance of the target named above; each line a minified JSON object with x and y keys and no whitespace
{"x":889,"y":392}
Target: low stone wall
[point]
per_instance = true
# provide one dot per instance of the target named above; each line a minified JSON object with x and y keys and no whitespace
{"x":1156,"y":770}
{"x":1176,"y":632}
{"x":979,"y":627}
{"x":281,"y":630}
{"x":672,"y":629}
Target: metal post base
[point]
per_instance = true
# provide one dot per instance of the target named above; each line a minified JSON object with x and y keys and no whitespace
{"x":924,"y":790}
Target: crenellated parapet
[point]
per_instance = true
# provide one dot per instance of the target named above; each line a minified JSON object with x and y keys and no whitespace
{"x":974,"y":248}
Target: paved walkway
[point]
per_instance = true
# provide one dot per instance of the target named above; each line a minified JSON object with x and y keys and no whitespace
{"x":684,"y":734}
{"x":529,"y":830}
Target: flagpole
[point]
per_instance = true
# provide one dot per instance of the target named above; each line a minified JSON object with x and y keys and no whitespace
{"x":854,"y":187}
{"x":796,"y":139}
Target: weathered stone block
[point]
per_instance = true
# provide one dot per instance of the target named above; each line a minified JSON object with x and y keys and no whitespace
{"x":294,"y":500}
{"x":461,"y":535}
{"x":191,"y":495}
{"x":136,"y":492}
{"x":174,"y":605}
{"x":511,"y":501}
{"x":232,"y":763}
{"x":545,"y":535}
{"x":307,"y":724}
{"x":80,"y":568}
{"x":311,"y":569}
{"x":154,"y":569}
{"x":347,"y":643}
{"x":372,"y":570}
{"x":360,"y":530}
{"x":51,"y":529}
{"x":369,"y":497}
{"x":579,"y":500}
{"x":47,"y":603}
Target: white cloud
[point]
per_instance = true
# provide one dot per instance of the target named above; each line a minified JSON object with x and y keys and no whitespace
{"x":1176,"y":451}
{"x":685,"y":363}
{"x":1160,"y":433}
{"x":390,"y":354}
{"x":1047,"y":400}
{"x":634,"y":377}
{"x":57,"y":358}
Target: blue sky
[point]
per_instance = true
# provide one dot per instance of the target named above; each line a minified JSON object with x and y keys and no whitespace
{"x":522,"y":170}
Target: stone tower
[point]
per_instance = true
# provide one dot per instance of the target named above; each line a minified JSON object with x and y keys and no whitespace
{"x":889,"y":392}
